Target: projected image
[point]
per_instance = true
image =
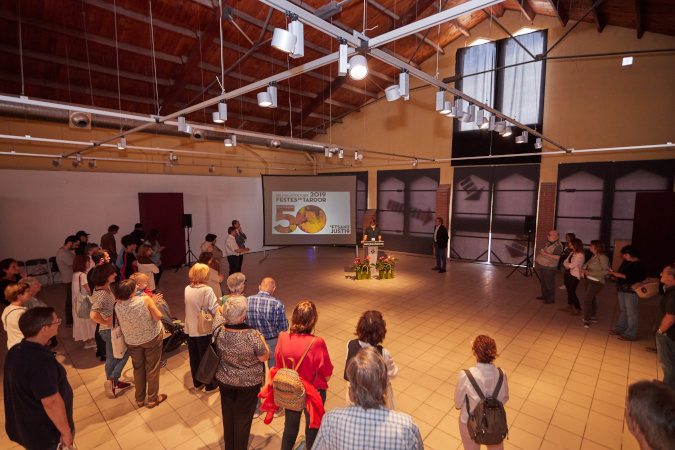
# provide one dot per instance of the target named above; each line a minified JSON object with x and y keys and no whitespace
{"x":311,"y":219}
{"x":299,"y":212}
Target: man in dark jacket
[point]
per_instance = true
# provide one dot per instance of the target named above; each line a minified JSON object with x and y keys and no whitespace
{"x":440,"y":245}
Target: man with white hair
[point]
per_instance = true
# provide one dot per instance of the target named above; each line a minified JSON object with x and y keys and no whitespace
{"x":367,"y":424}
{"x":650,"y":414}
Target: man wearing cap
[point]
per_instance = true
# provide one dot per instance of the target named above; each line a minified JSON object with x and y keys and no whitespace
{"x":83,"y":236}
{"x":64,"y":260}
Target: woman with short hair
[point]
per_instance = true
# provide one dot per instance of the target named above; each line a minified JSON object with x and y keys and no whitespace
{"x":631,"y":271}
{"x":486,"y":375}
{"x":242,"y":351}
{"x":198,"y":297}
{"x":10,"y":273}
{"x":316,"y":367}
{"x":141,"y":324}
{"x":17,"y":294}
{"x":572,"y":276}
{"x":215,"y":278}
{"x":595,"y":271}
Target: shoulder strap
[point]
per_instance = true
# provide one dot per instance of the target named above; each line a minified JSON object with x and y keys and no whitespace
{"x":303,"y":355}
{"x":474,"y":384}
{"x":203,"y":295}
{"x":499,"y":383}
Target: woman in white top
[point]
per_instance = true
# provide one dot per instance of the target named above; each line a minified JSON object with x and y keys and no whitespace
{"x":199,"y":297}
{"x":17,"y":294}
{"x":573,"y":275}
{"x":146,"y":265}
{"x":83,"y":329}
{"x":486,"y":375}
{"x":371,"y":331}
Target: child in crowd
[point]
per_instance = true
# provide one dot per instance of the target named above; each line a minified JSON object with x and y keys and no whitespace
{"x":371,"y":331}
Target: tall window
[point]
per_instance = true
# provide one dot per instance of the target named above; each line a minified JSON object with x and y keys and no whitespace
{"x":516,"y":90}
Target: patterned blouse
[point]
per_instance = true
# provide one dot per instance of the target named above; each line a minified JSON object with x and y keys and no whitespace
{"x":138,"y":326}
{"x":239,"y":351}
{"x":102,"y":302}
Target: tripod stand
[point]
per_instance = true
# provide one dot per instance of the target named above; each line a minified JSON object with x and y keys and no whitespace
{"x":529,"y":267}
{"x":189,"y":255}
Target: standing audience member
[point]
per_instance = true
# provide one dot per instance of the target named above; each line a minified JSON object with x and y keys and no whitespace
{"x":89,"y":249}
{"x":631,"y":271}
{"x":35,"y":302}
{"x":367,"y":424}
{"x":83,"y":329}
{"x":650,"y":414}
{"x":198,"y":297}
{"x":440,"y":245}
{"x":141,"y":324}
{"x":83,"y":237}
{"x":548,"y":259}
{"x":156,"y":255}
{"x":215,"y":278}
{"x":240,"y":237}
{"x":232,"y":251}
{"x":572,"y":275}
{"x":146,"y":265}
{"x":595,"y":271}
{"x":217,"y":252}
{"x":371,"y":331}
{"x":108,"y":241}
{"x":138,"y":234}
{"x":9,"y":269}
{"x":64,"y":260}
{"x":242,"y":351}
{"x":316,"y":367}
{"x":130,"y":265}
{"x":99,"y":257}
{"x":103,"y":302}
{"x":665,"y":334}
{"x":38,"y":397}
{"x":487,"y":377}
{"x":17,"y":295}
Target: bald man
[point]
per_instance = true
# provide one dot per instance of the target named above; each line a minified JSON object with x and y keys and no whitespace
{"x":267,"y":315}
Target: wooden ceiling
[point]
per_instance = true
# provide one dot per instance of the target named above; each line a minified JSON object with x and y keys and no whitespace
{"x":158,"y":57}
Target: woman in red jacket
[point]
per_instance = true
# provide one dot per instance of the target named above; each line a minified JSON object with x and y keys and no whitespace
{"x":316,"y":367}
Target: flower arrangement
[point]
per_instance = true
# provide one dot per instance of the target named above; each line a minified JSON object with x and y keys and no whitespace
{"x":362,"y":267}
{"x":385,"y":263}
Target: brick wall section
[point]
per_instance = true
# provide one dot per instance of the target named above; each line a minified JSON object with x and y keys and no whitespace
{"x":369,"y":215}
{"x":546,"y":216}
{"x":443,"y":203}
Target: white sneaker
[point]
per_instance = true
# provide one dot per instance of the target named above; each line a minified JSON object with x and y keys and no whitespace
{"x":90,"y":344}
{"x":109,"y":387}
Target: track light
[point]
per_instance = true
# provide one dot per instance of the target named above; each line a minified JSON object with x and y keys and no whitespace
{"x":500,"y":127}
{"x":459,"y":111}
{"x":538,"y":144}
{"x":268,"y":99}
{"x":415,"y":163}
{"x":447,"y":108}
{"x":343,"y":66}
{"x":78,"y":161}
{"x":507,"y":130}
{"x":220,"y":116}
{"x":481,"y":121}
{"x":522,"y":138}
{"x":493,"y":122}
{"x":212,"y":168}
{"x":92,"y":164}
{"x":358,"y":67}
{"x":172,"y":158}
{"x":468,"y":115}
{"x":440,"y":100}
{"x":283,"y":40}
{"x":358,"y":157}
{"x":122,"y":144}
{"x":181,"y":123}
{"x":291,"y":41}
{"x":228,"y":142}
{"x":326,"y":152}
{"x":57,"y":162}
{"x":341,"y":154}
{"x":404,"y":84}
{"x":393,"y":93}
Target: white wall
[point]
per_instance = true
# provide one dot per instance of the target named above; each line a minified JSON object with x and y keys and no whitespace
{"x":39,"y":209}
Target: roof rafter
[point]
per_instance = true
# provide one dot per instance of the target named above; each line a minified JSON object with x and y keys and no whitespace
{"x":640,"y":7}
{"x":561,"y":9}
{"x":527,"y":9}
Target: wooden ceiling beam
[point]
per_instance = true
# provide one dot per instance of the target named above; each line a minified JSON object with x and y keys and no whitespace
{"x":194,"y":58}
{"x":598,"y":16}
{"x":527,"y":9}
{"x":414,"y":12}
{"x":462,"y":29}
{"x":497,"y":10}
{"x":640,"y":7}
{"x":314,"y":104}
{"x":561,"y":9}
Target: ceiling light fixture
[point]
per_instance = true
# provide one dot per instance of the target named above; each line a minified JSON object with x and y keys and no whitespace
{"x":343,"y":65}
{"x":415,"y":162}
{"x":538,"y":144}
{"x":359,"y":157}
{"x":326,"y":152}
{"x":404,"y":84}
{"x":228,"y":142}
{"x":341,"y":154}
{"x":358,"y":67}
{"x":291,"y":41}
{"x":57,"y":162}
{"x":181,"y":123}
{"x":458,"y":110}
{"x":212,"y":168}
{"x":393,"y":93}
{"x":492,"y":123}
{"x":78,"y":161}
{"x":447,"y":108}
{"x":172,"y":158}
{"x":92,"y":164}
{"x":468,"y":116}
{"x":500,"y":127}
{"x":522,"y":138}
{"x":268,"y":99}
{"x":440,"y":100}
{"x":220,"y":116}
{"x":122,"y":144}
{"x":507,"y":130}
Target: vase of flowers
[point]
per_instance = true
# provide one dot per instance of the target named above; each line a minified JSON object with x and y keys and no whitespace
{"x":362,"y":268}
{"x":385,"y":265}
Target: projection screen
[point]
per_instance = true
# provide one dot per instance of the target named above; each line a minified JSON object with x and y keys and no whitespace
{"x":309,"y":210}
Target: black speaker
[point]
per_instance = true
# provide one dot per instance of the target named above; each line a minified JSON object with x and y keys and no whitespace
{"x":187,"y":220}
{"x":530,"y":225}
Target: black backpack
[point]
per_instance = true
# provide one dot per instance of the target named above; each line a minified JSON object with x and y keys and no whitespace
{"x":487,"y":424}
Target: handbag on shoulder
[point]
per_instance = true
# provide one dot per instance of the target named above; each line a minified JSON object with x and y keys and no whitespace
{"x":117,"y":338}
{"x":209,"y":363}
{"x":204,"y":319}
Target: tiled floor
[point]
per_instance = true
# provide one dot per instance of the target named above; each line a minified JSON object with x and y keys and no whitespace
{"x":567,"y":384}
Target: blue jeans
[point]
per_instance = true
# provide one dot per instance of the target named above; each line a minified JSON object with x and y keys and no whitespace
{"x":440,"y":256}
{"x":113,"y":366}
{"x":665,"y":347}
{"x":292,"y":427}
{"x":272,"y":344}
{"x":628,"y":320}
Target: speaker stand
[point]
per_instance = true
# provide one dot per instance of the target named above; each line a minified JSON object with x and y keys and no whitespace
{"x":189,"y":256}
{"x":529,"y":267}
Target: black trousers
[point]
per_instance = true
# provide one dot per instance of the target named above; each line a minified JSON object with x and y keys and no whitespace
{"x":238,"y":405}
{"x":158,"y":276}
{"x":292,"y":427}
{"x":196,"y":348}
{"x":233,"y":261}
{"x":571,"y":284}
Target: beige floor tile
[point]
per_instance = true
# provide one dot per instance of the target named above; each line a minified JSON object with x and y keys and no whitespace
{"x":541,"y":412}
{"x":523,"y":439}
{"x":135,"y":438}
{"x":440,"y":440}
{"x":531,"y":424}
{"x":572,"y":424}
{"x":562,"y":439}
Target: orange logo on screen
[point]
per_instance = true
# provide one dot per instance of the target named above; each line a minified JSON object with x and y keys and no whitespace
{"x":310,"y":219}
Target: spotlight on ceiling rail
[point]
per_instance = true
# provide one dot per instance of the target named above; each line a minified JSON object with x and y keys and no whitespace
{"x":78,"y":161}
{"x":291,"y":41}
{"x":212,"y":168}
{"x":415,"y":163}
{"x":268,"y":99}
{"x":358,"y":67}
{"x":92,"y":164}
{"x":538,"y":144}
{"x":122,"y":144}
{"x":522,"y":138}
{"x":220,"y":116}
{"x":56,"y":162}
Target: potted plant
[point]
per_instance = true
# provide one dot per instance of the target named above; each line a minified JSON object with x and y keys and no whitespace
{"x":385,"y":265}
{"x":362,"y":268}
